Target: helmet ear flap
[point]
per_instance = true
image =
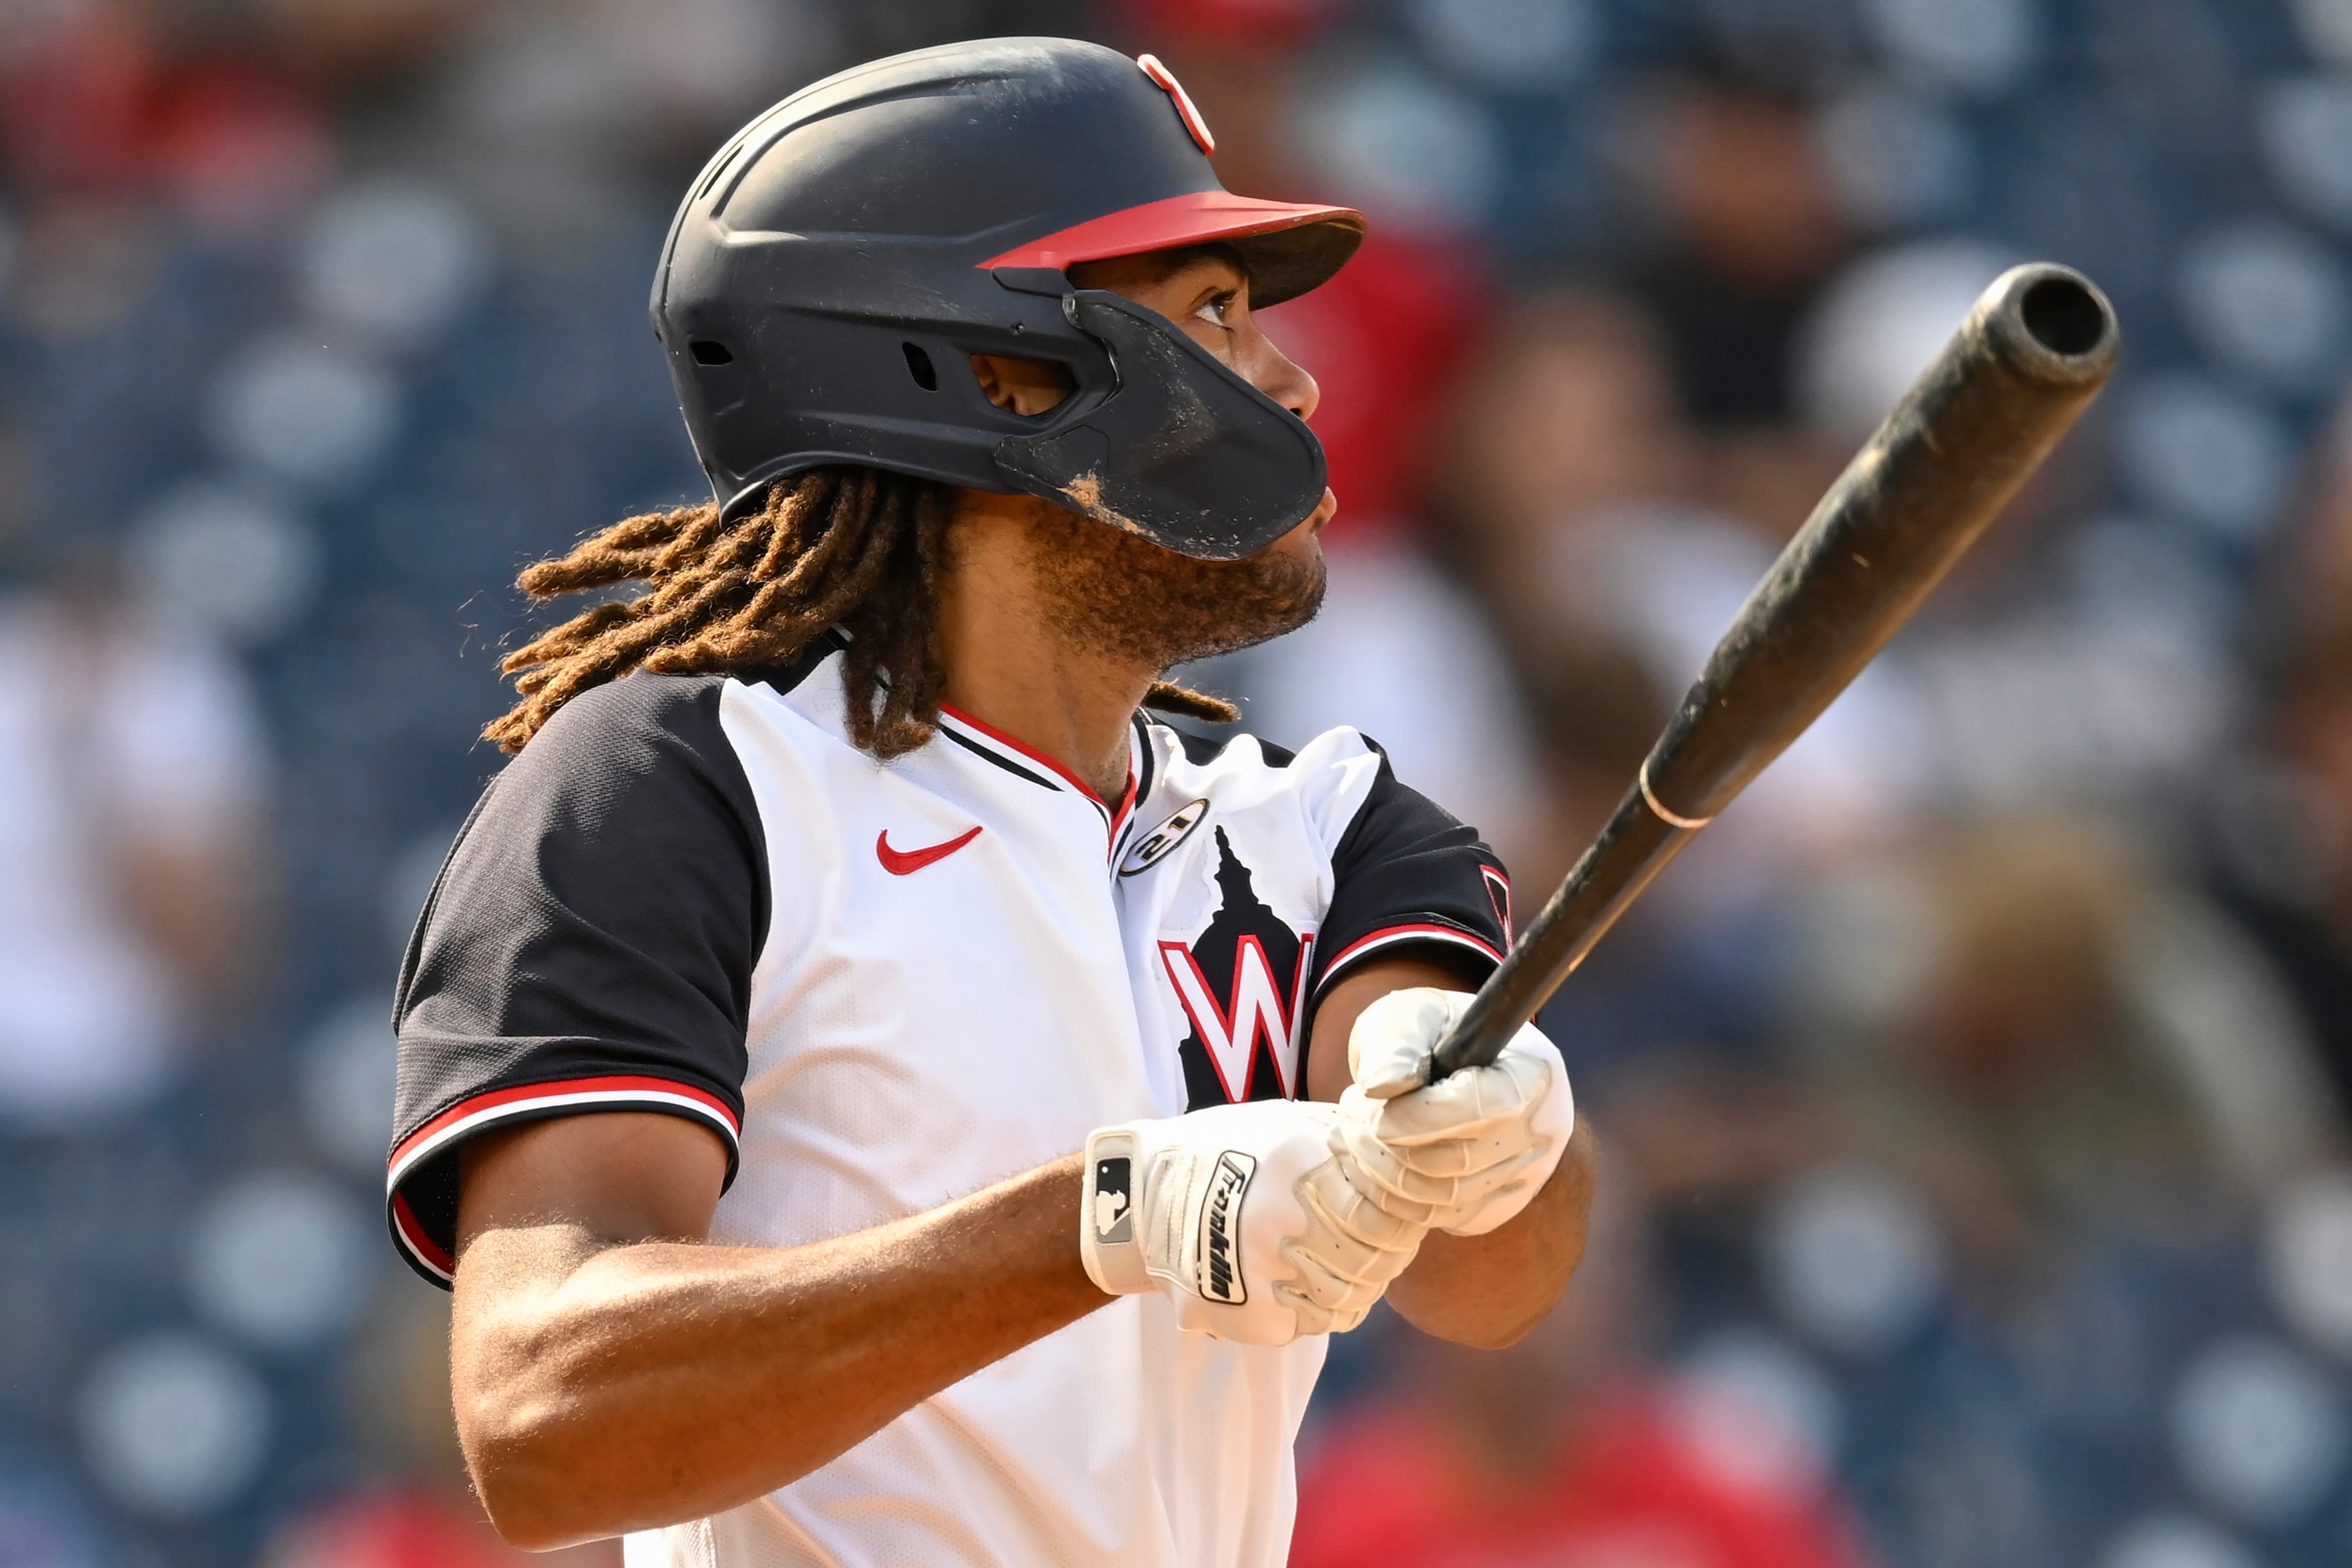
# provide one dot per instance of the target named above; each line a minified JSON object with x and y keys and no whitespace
{"x":1181,"y":451}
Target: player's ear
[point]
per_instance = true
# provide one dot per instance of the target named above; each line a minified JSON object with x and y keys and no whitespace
{"x":1027,"y":387}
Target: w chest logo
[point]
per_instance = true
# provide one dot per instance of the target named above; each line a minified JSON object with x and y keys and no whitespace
{"x":1243,"y":985}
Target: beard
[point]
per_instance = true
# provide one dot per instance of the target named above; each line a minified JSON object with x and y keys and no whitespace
{"x":1122,"y":595}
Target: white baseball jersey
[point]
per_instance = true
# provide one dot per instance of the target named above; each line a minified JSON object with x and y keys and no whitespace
{"x":889,"y":984}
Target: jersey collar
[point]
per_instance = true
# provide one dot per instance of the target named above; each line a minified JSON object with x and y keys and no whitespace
{"x":993,"y":746}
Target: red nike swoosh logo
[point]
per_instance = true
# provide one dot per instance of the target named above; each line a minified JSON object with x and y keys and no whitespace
{"x":904,"y":863}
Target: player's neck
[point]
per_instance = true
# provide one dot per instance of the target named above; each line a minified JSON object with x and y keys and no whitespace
{"x":1007,"y":666}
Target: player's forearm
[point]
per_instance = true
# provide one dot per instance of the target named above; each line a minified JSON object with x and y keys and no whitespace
{"x":604,"y":1388}
{"x":1487,"y":1290}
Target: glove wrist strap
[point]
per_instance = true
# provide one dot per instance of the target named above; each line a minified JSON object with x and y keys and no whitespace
{"x":1109,"y":1230}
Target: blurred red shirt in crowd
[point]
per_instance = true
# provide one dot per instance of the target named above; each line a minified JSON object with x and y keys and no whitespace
{"x":1637,"y":1481}
{"x":1574,"y":1448}
{"x":1383,"y":340}
{"x":412,"y":1529}
{"x":391,"y":1529}
{"x":100,"y":100}
{"x":1245,"y":23}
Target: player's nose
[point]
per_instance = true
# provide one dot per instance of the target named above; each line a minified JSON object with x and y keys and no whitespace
{"x":1284,"y":379}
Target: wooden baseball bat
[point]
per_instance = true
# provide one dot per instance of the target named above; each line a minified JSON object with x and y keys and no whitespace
{"x":2036,"y":349}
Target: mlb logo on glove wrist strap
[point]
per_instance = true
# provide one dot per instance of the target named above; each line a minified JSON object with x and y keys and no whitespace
{"x":1113,"y":1207}
{"x":1112,"y":1255}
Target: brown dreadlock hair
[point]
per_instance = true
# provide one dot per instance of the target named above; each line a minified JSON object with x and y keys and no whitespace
{"x":850,"y":547}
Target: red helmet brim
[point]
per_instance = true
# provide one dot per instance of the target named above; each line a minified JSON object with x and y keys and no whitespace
{"x":1290,"y":247}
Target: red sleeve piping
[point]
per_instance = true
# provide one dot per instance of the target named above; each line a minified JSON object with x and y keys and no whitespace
{"x":1391,"y":935}
{"x":478,"y":1111}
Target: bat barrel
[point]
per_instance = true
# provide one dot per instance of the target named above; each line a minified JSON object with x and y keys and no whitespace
{"x":2038,"y":346}
{"x":2035,"y":350}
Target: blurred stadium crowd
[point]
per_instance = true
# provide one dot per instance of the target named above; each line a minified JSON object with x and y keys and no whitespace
{"x":1973,"y":1095}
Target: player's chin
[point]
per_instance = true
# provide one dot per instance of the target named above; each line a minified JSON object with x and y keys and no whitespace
{"x":1261,"y":597}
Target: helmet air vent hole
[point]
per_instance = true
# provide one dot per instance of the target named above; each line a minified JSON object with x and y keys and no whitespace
{"x":918,"y":365}
{"x":707,"y":352}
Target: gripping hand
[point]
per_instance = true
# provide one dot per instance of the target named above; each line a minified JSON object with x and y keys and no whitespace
{"x":1463,"y":1155}
{"x":1244,"y":1216}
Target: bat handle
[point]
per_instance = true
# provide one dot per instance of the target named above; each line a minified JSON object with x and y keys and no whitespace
{"x":1502,"y":1007}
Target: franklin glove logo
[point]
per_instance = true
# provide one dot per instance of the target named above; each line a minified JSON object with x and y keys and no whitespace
{"x":1221,"y":1223}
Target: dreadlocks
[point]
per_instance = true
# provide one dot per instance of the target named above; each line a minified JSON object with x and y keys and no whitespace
{"x":849,"y":546}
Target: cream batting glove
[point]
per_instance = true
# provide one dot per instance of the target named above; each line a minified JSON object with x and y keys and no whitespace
{"x":1243,"y":1215}
{"x":1463,"y":1155}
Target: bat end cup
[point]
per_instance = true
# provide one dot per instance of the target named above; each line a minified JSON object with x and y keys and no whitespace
{"x":2052,"y":323}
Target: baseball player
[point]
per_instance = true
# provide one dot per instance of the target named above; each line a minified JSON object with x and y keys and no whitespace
{"x":880,"y":1094}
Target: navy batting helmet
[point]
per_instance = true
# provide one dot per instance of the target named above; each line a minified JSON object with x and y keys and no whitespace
{"x":835,"y":265}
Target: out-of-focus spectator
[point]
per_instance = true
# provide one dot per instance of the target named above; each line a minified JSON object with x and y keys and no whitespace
{"x":2075,"y":654}
{"x":1750,"y":226}
{"x":1571,"y":485}
{"x":2058,"y":1044}
{"x":2052,"y":1090}
{"x":357,"y":47}
{"x":2281,"y":837}
{"x":131,"y":797}
{"x":1569,"y":1448}
{"x":20,"y":481}
{"x":1878,"y":324}
{"x":1569,"y":415}
{"x":557,"y":119}
{"x":1746,"y":226}
{"x":2281,"y":843}
{"x":1564,"y":421}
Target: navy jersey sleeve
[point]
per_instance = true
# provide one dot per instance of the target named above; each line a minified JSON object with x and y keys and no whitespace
{"x":1409,"y":880}
{"x":588,"y":945}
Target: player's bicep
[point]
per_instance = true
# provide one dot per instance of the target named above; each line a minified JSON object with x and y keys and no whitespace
{"x":619,"y":1177}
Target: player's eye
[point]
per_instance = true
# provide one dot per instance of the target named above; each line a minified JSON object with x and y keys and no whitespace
{"x":1213,"y":309}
